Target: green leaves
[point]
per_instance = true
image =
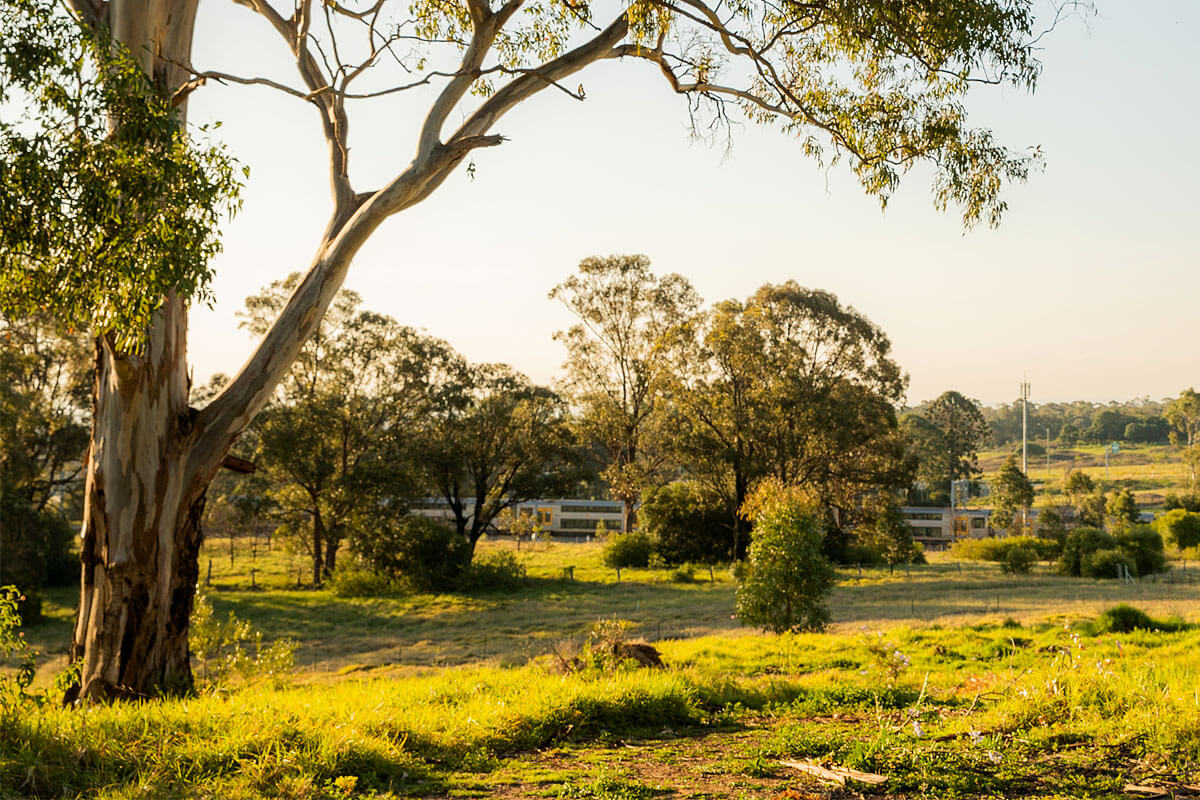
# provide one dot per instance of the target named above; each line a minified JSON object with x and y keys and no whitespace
{"x":106,"y":206}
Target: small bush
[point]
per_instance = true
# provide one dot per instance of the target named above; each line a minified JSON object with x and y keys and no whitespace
{"x":1142,"y":545}
{"x":684,"y":574}
{"x":1125,"y":619}
{"x":1106,"y":563}
{"x":355,"y":582}
{"x":1019,"y":560}
{"x":862,"y":554}
{"x":1079,"y":544}
{"x":787,"y":576}
{"x":499,"y":571}
{"x":416,"y":550}
{"x":988,"y":549}
{"x":628,"y":550}
{"x":231,"y":649}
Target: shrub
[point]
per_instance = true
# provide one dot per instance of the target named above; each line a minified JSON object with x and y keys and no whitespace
{"x":685,"y":573}
{"x":1106,"y":563}
{"x":863,"y":554}
{"x":357,"y":582}
{"x":1144,"y":547}
{"x":424,"y":554}
{"x":687,"y":524}
{"x":1179,"y":527}
{"x":1079,"y":544}
{"x":1125,"y":619}
{"x":498,"y":571}
{"x":628,"y":550}
{"x":988,"y":549}
{"x":230,"y":648}
{"x":1019,"y":560}
{"x":785,"y":580}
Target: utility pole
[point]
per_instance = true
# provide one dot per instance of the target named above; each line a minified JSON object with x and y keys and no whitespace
{"x":1025,"y":427}
{"x":1047,"y":457}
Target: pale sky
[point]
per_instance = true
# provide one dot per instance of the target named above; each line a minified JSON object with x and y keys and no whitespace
{"x":1088,"y":287}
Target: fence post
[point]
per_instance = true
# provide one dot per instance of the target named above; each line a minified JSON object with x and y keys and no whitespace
{"x":208,"y":578}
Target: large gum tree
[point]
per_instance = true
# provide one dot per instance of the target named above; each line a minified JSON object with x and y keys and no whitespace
{"x":879,"y":85}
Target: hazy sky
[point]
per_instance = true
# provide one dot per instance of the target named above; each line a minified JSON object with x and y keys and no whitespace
{"x":1088,"y":287}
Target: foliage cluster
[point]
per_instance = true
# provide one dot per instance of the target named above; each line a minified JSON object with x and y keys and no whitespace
{"x":107,"y":206}
{"x":632,"y":549}
{"x":1092,"y":553}
{"x":783,"y":584}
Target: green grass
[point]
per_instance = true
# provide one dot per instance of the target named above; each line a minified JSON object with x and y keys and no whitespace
{"x":1043,"y":711}
{"x":1149,"y":471}
{"x":1013,"y":690}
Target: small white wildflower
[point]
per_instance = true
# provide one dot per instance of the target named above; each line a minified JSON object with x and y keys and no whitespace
{"x":994,"y":757}
{"x":976,"y":736}
{"x":1024,"y":693}
{"x":917,"y":731}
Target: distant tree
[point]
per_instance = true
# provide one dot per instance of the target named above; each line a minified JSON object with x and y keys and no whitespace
{"x":45,"y":378}
{"x":1108,"y":425}
{"x":1147,"y":431}
{"x":494,"y":440}
{"x":1122,"y":509}
{"x":1068,"y":434}
{"x":796,"y":385}
{"x":333,"y":441}
{"x":890,"y":535}
{"x":965,"y":431}
{"x":1050,"y":523}
{"x":783,"y":584}
{"x":1091,"y":509}
{"x":1183,"y":414}
{"x":1179,"y":527}
{"x":1079,"y":483}
{"x":1011,"y":492}
{"x":619,"y":363}
{"x":687,"y":524}
{"x":928,"y":447}
{"x":1191,"y":459}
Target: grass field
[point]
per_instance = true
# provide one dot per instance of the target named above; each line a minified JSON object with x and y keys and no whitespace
{"x":1149,"y":471}
{"x":947,"y":679}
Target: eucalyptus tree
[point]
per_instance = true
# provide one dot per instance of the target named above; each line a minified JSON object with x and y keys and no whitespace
{"x":620,"y":358}
{"x":794,"y":385}
{"x":335,"y":440}
{"x":494,"y":441}
{"x":879,"y":86}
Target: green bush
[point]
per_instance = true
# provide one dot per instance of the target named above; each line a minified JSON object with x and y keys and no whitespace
{"x":1079,"y":544}
{"x":1019,"y":560}
{"x":685,"y":573}
{"x":687,"y":524}
{"x":416,"y":550}
{"x":786,"y":577}
{"x":628,"y":550}
{"x":1179,"y":527}
{"x":1107,"y":563}
{"x":988,"y":549}
{"x":1144,"y":547}
{"x":499,"y":571}
{"x":999,"y":550}
{"x":862,"y":554}
{"x":357,"y":582}
{"x":1126,"y":619}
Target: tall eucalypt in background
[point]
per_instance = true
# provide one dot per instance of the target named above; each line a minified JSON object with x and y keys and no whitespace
{"x":879,"y":86}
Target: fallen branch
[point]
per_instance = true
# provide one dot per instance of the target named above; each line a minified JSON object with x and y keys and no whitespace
{"x":837,"y":775}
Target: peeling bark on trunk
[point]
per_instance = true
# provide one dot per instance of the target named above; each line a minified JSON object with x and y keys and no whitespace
{"x":141,"y":528}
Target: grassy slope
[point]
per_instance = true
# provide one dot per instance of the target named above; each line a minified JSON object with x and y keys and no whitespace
{"x":1057,"y":712}
{"x":1149,"y":471}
